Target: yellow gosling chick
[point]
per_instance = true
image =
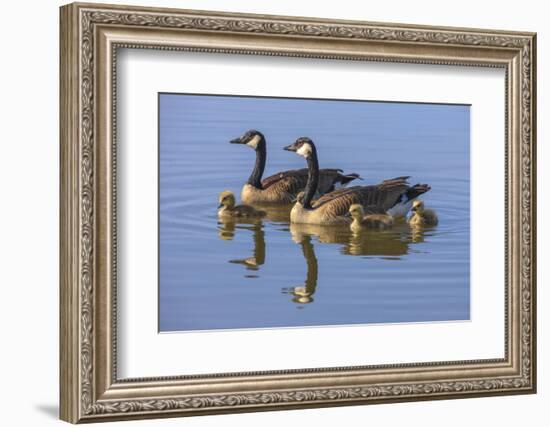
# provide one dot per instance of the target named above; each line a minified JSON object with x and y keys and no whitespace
{"x":228,"y":209}
{"x":421,"y":216}
{"x":362,"y":221}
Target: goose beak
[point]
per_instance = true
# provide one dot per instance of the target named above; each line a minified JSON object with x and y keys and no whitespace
{"x":291,"y":147}
{"x":239,"y":140}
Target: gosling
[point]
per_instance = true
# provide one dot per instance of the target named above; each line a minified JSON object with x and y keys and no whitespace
{"x":228,"y":209}
{"x":362,"y":221}
{"x":421,"y":216}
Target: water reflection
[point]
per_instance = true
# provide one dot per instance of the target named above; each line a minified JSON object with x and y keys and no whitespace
{"x":392,"y":243}
{"x":304,"y":294}
{"x":419,"y":232}
{"x":227,"y":229}
{"x":388,"y":244}
{"x":228,"y":226}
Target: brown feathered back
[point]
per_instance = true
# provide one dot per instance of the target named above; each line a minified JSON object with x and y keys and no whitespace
{"x":374,"y":198}
{"x":284,"y":186}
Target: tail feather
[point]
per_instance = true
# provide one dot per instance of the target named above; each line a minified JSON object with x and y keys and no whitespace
{"x":416,"y":190}
{"x":396,"y":179}
{"x":346,"y":179}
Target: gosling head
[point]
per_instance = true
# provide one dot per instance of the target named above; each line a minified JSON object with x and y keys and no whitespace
{"x":303,"y":146}
{"x":356,"y":211}
{"x":226,"y":199}
{"x":418,"y":206}
{"x":253,"y":138}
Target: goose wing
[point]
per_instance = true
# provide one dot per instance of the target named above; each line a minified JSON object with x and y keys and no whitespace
{"x":293,"y":181}
{"x":374,"y":198}
{"x":284,"y":186}
{"x":290,"y":177}
{"x":301,"y":176}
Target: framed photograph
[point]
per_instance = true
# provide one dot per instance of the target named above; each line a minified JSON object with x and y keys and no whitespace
{"x":267,"y":212}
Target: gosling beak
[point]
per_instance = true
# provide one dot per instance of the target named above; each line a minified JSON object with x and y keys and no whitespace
{"x":347,"y":215}
{"x":291,"y":147}
{"x":220,"y":206}
{"x":239,"y":140}
{"x":414,"y":209}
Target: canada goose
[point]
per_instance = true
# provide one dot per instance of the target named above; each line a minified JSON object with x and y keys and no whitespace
{"x":282,"y":187}
{"x":361,"y":221}
{"x":393,"y":197}
{"x":422,"y":216}
{"x":227,"y":207}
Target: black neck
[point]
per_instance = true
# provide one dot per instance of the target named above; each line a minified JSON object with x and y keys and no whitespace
{"x":255,"y":178}
{"x":259,"y":244}
{"x":312,"y":267}
{"x":312,"y":178}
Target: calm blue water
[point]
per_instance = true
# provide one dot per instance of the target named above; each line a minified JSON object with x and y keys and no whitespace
{"x":217,"y":275}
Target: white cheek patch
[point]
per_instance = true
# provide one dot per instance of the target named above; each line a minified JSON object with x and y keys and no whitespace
{"x":304,"y":150}
{"x":253,"y":143}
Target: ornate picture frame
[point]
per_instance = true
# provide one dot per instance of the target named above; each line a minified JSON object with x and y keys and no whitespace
{"x":90,"y":37}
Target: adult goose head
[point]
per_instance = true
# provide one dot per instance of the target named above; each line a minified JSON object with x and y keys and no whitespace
{"x":305,"y":148}
{"x":255,"y":140}
{"x":282,"y":187}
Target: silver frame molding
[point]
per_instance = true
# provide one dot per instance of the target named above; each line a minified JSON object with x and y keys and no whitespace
{"x":90,"y":37}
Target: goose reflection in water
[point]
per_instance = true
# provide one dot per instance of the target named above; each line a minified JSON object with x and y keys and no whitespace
{"x":304,"y":294}
{"x":391,"y":244}
{"x":423,"y":233}
{"x":387,"y":244}
{"x":228,"y":227}
{"x":227,"y":230}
